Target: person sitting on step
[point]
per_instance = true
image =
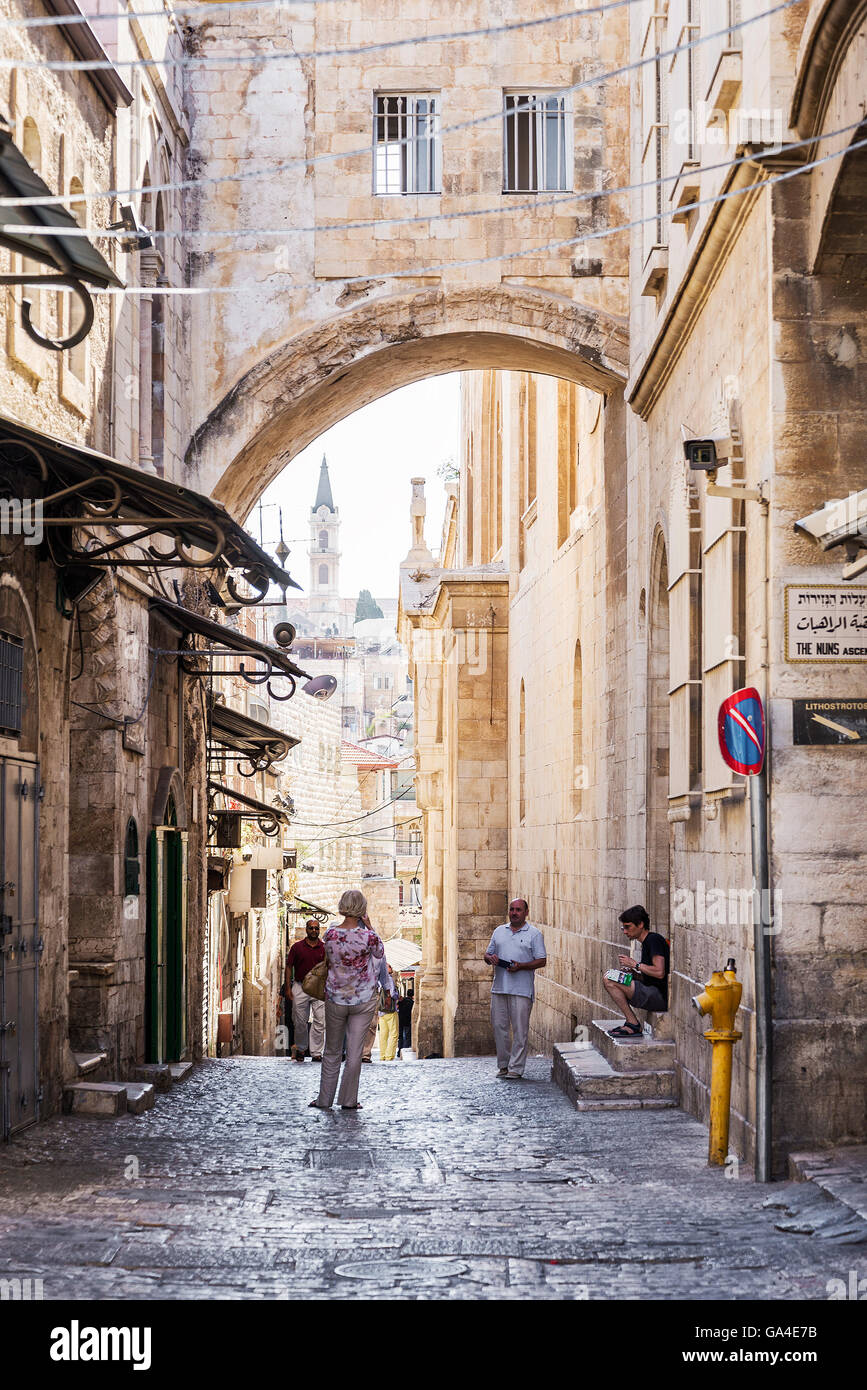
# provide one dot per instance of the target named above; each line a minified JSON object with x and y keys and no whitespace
{"x":649,"y":986}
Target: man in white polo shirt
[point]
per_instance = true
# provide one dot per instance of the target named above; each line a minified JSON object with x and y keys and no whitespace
{"x":516,"y":950}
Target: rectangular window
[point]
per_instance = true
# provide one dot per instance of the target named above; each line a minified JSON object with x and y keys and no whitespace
{"x":537,"y":154}
{"x":406,"y":144}
{"x":11,"y":683}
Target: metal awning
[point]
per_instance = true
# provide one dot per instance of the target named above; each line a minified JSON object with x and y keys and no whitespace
{"x":268,"y":817}
{"x":275,"y":660}
{"x":73,"y":260}
{"x":78,"y":487}
{"x":259,"y":744}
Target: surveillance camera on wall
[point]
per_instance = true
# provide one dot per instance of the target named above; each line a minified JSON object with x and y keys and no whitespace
{"x":707,"y":455}
{"x":839,"y":521}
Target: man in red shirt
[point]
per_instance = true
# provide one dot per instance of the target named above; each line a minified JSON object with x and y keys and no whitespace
{"x":302,"y":957}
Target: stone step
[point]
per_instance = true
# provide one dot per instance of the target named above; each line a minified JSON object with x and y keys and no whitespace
{"x":157,"y":1073}
{"x":180,"y":1070}
{"x":631,"y":1054}
{"x":589,"y":1079}
{"x":95,"y":1098}
{"x":88,"y":1063}
{"x":140,"y":1096}
{"x":654,"y":1103}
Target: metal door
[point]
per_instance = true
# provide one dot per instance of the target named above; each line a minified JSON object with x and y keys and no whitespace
{"x":20,"y":945}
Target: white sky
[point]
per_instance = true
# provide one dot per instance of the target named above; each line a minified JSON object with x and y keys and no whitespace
{"x":371,"y":457}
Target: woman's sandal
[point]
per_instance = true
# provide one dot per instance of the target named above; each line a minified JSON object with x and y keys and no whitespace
{"x":314,"y":1105}
{"x":626,"y":1030}
{"x":352,"y":1107}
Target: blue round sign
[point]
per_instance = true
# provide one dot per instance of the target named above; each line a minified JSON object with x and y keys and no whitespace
{"x":742,"y":731}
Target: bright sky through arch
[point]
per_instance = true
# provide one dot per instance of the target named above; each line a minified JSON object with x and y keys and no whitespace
{"x":372,"y":455}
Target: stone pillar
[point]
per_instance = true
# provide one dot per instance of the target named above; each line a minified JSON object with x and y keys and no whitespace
{"x":475,"y":798}
{"x":428,"y":1010}
{"x":149,"y":268}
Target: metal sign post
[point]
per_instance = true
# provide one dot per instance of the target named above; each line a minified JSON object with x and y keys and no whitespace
{"x":742,"y":745}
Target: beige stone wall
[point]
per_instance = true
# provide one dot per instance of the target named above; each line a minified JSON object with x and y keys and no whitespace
{"x":296,"y":295}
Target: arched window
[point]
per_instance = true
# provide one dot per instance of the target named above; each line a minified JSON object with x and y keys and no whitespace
{"x":131,"y":866}
{"x":522,"y":758}
{"x":158,"y":357}
{"x":323,"y":576}
{"x":76,"y":358}
{"x":323,"y":540}
{"x":579,"y":770}
{"x":31,"y":148}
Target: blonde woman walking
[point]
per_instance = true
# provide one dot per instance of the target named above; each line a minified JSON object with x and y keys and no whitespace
{"x":353,"y":951}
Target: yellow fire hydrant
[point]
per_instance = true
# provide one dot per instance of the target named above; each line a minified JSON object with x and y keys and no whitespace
{"x":721,"y":999}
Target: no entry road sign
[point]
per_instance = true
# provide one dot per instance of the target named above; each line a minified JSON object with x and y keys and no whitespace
{"x":742,"y":731}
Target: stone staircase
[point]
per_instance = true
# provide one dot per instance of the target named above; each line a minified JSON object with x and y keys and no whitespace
{"x":112,"y":1098}
{"x":608,"y":1073}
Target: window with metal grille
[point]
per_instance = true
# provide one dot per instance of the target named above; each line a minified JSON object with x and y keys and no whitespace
{"x":406,"y":144}
{"x":537,"y":149}
{"x":11,"y":683}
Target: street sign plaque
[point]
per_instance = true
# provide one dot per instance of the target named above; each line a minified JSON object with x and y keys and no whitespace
{"x":742,"y":731}
{"x":841,"y":723}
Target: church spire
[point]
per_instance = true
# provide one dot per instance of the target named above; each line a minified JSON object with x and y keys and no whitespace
{"x":323,"y":494}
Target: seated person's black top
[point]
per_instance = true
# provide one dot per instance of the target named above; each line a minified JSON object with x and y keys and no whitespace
{"x":655,"y":945}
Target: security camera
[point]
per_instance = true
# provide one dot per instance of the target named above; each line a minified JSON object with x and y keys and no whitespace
{"x":140,"y":238}
{"x":707,"y":455}
{"x":839,"y":521}
{"x":284,"y":634}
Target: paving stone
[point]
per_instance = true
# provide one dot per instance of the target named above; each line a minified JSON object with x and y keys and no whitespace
{"x":448,"y":1185}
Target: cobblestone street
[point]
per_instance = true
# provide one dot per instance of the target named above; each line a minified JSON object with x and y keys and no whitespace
{"x":448,"y":1185}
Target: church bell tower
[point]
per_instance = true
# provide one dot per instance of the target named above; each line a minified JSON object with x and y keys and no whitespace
{"x":324,"y":607}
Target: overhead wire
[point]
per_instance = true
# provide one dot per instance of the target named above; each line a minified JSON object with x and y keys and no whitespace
{"x":167,"y":12}
{"x":365,"y":150}
{"x":301,"y":55}
{"x":505,"y":205}
{"x":522,"y":254}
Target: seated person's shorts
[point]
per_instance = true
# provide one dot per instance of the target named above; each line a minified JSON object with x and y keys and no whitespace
{"x":648,"y":997}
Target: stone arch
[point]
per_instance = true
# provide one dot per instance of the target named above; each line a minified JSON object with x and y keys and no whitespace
{"x":828,"y":96}
{"x":323,"y":374}
{"x":169,"y":785}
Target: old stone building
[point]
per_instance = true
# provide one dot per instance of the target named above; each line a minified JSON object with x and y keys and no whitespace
{"x":621,"y":601}
{"x":620,"y":262}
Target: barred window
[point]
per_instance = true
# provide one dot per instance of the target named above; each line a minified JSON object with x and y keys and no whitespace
{"x":536,"y":145}
{"x":406,"y":144}
{"x":11,"y":684}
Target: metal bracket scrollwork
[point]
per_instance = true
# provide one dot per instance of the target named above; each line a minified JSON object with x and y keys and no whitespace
{"x":257,"y":579}
{"x":292,"y":688}
{"x":53,"y":282}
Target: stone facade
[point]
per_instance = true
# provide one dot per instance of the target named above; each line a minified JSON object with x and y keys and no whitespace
{"x":637,"y":600}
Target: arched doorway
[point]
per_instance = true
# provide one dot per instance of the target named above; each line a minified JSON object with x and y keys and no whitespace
{"x":20,"y":940}
{"x":166,"y":944}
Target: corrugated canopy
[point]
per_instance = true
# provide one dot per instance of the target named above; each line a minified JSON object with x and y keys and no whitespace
{"x":224,"y":636}
{"x":242,"y":734}
{"x":106,"y":494}
{"x":71,"y":255}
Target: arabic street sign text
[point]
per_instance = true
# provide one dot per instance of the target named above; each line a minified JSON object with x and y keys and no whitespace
{"x":826,"y":623}
{"x":841,"y":722}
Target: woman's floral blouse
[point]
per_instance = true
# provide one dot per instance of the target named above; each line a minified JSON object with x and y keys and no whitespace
{"x":353,"y":955}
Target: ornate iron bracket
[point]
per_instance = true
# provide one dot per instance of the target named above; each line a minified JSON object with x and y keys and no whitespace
{"x":53,"y":282}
